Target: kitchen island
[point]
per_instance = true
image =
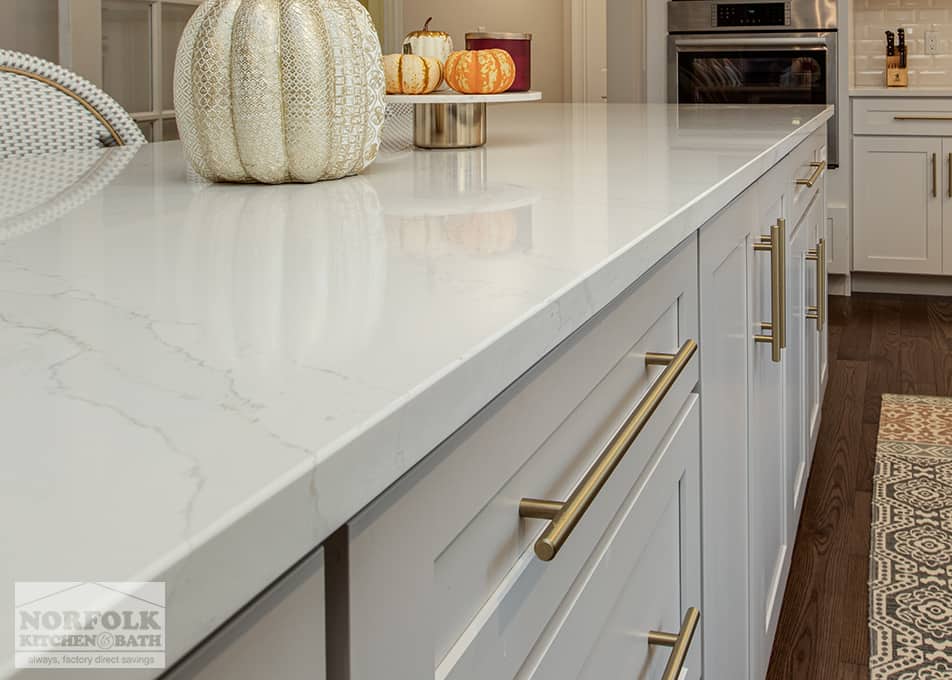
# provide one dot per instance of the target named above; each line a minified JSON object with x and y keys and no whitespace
{"x":202,"y":383}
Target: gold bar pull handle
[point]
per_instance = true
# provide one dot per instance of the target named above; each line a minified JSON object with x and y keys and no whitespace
{"x":950,"y":174}
{"x":818,"y":168}
{"x":679,"y":644}
{"x":775,"y":245}
{"x":782,"y":247}
{"x":935,"y":181}
{"x":564,"y":516}
{"x":922,"y":117}
{"x":819,"y":311}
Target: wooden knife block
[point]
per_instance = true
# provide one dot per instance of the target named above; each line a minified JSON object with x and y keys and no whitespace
{"x":896,"y":76}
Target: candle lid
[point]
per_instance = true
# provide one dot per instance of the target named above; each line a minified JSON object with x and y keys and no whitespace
{"x":499,"y":36}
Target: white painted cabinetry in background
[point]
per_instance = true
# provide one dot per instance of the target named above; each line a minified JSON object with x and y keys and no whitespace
{"x":902,"y":186}
{"x":897,"y":222}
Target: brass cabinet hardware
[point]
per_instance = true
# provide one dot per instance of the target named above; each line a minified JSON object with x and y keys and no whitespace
{"x":564,"y":516}
{"x":922,"y":117}
{"x":935,"y":187}
{"x":950,"y":174}
{"x":783,"y":280}
{"x":821,"y":284}
{"x":680,"y":643}
{"x":818,"y":168}
{"x":819,"y":311}
{"x":776,"y":245}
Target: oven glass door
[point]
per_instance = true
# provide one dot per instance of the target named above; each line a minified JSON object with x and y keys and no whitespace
{"x":744,"y":76}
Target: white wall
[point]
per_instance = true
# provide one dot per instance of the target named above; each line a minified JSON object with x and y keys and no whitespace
{"x":30,"y":26}
{"x":544,"y":19}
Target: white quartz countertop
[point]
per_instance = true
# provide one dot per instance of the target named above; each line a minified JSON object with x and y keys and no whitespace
{"x":911,"y":92}
{"x":200,"y":383}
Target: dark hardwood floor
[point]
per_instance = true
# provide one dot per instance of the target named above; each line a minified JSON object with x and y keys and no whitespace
{"x":878,"y":344}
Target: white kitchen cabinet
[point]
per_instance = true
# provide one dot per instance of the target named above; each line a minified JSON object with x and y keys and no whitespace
{"x":744,"y":520}
{"x":897,"y":222}
{"x":281,"y":634}
{"x":726,"y":260}
{"x":755,"y":415}
{"x":766,"y":483}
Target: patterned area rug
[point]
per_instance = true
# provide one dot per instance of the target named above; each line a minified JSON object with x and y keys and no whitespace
{"x":910,"y":589}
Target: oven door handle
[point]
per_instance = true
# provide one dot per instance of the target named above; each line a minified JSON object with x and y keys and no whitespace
{"x":751,"y":42}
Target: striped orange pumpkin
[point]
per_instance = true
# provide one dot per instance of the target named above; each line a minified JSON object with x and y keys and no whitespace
{"x":479,"y":71}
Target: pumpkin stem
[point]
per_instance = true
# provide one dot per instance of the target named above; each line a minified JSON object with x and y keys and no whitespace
{"x":426,"y":25}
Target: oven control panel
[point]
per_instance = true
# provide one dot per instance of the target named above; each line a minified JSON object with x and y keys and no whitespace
{"x":749,"y":14}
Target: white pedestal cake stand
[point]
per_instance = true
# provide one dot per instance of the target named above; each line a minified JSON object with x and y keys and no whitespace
{"x":451,"y":120}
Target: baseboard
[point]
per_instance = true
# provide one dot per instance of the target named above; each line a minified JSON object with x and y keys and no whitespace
{"x":911,"y":284}
{"x":839,"y":284}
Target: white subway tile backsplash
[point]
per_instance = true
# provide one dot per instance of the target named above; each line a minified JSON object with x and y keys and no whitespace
{"x":870,"y":79}
{"x":900,"y":17}
{"x":920,"y":62}
{"x":932,"y":79}
{"x":869,"y":17}
{"x":932,"y":16}
{"x":870,"y":46}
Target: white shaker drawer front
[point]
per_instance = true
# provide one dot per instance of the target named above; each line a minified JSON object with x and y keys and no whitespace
{"x":428,"y":555}
{"x":281,"y":634}
{"x":808,"y":163}
{"x":892,"y":116}
{"x":643,"y":578}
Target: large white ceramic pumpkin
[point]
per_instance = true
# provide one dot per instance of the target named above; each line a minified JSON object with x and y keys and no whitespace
{"x":279,"y":90}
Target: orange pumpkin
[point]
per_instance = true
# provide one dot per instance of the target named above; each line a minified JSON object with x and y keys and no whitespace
{"x":479,"y":71}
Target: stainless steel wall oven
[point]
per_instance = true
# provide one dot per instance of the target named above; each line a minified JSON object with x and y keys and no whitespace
{"x":754,"y":52}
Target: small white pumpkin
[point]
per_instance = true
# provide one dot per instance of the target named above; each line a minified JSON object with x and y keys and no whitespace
{"x":279,"y":90}
{"x":427,"y":43}
{"x":411,"y":74}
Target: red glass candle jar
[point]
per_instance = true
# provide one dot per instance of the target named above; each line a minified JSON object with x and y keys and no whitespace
{"x":518,"y":45}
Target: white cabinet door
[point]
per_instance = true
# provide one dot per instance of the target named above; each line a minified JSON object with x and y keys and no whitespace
{"x":897,"y":223}
{"x":745,"y":514}
{"x":726,"y":256}
{"x":815,"y":350}
{"x":766,"y":483}
{"x":796,"y":390}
